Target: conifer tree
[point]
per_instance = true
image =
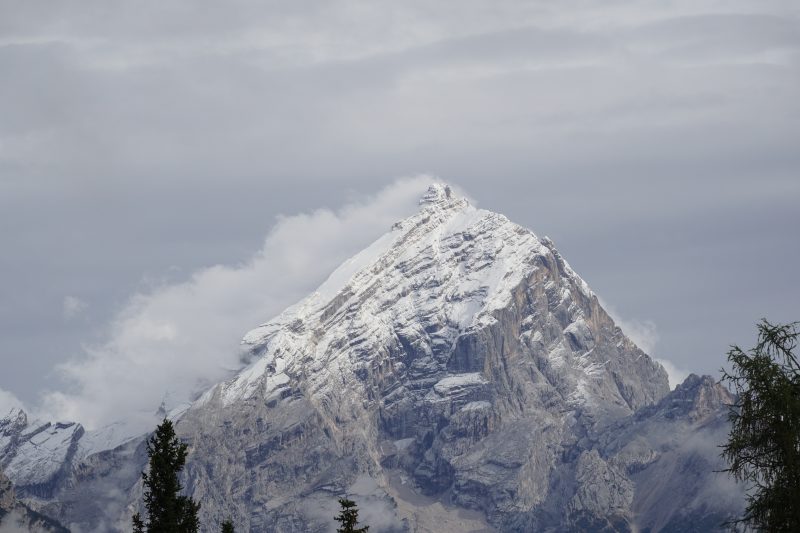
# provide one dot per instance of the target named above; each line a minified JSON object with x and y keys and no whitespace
{"x":227,"y":527}
{"x":167,"y":510}
{"x":348,"y":518}
{"x":763,"y":447}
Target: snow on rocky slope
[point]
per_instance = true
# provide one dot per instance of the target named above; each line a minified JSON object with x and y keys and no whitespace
{"x":37,"y":454}
{"x":457,"y":371}
{"x":441,"y":277}
{"x":16,"y":516}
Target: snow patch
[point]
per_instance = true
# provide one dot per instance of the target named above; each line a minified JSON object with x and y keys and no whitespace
{"x":108,"y":438}
{"x":403,"y":444}
{"x":451,"y":384}
{"x":477,"y":406}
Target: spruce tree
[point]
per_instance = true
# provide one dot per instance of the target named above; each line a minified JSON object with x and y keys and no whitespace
{"x":167,"y":510}
{"x":348,"y":517}
{"x":763,"y":447}
{"x":227,"y":527}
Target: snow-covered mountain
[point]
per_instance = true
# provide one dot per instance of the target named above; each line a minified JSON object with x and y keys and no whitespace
{"x":455,"y":375}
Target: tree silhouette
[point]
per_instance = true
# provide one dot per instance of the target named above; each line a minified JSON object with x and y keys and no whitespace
{"x":348,"y":518}
{"x":763,"y":447}
{"x":167,"y":510}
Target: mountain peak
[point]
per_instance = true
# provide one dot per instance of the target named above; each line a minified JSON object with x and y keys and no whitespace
{"x":436,"y":193}
{"x":442,"y":277}
{"x":16,"y":418}
{"x":697,"y":398}
{"x":440,"y":195}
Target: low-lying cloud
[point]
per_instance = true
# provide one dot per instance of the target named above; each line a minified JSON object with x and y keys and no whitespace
{"x":168,"y":344}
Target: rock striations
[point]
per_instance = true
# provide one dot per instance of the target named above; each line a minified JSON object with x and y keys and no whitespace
{"x":16,"y":517}
{"x":456,"y":375}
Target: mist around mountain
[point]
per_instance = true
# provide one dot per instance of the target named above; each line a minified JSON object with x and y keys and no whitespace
{"x":455,"y":375}
{"x":16,"y":517}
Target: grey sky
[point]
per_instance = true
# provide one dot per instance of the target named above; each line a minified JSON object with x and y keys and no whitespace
{"x":657,"y":143}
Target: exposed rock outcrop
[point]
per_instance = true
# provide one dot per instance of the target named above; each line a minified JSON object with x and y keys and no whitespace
{"x":16,"y":517}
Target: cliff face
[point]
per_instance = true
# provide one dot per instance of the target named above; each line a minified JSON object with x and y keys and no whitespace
{"x":17,"y":517}
{"x":455,"y":375}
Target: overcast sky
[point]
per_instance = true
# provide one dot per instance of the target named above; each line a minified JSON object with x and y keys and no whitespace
{"x":172,"y":173}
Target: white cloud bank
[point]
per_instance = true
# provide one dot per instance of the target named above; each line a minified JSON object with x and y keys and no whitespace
{"x":171,"y":343}
{"x":8,"y":401}
{"x":644,"y":333}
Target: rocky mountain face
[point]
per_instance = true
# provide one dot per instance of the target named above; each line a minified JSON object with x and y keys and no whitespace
{"x":456,"y":375}
{"x":60,"y":470}
{"x":37,"y":455}
{"x":16,"y":517}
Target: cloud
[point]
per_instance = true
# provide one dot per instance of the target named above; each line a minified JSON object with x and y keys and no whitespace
{"x":8,"y":401}
{"x":720,"y":489}
{"x":15,"y":522}
{"x":178,"y":339}
{"x":644,"y":333}
{"x":72,"y":306}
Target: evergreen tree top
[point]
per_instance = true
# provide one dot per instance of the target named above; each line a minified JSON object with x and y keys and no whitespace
{"x":167,"y":510}
{"x":763,"y":447}
{"x":348,"y":517}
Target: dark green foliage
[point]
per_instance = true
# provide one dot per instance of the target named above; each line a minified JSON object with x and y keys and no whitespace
{"x":763,"y":447}
{"x":138,"y":525}
{"x":348,"y":518}
{"x":167,"y":510}
{"x":188,"y":521}
{"x":227,"y":527}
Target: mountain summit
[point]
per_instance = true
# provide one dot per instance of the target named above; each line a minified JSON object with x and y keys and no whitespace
{"x":455,"y":375}
{"x":436,"y":288}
